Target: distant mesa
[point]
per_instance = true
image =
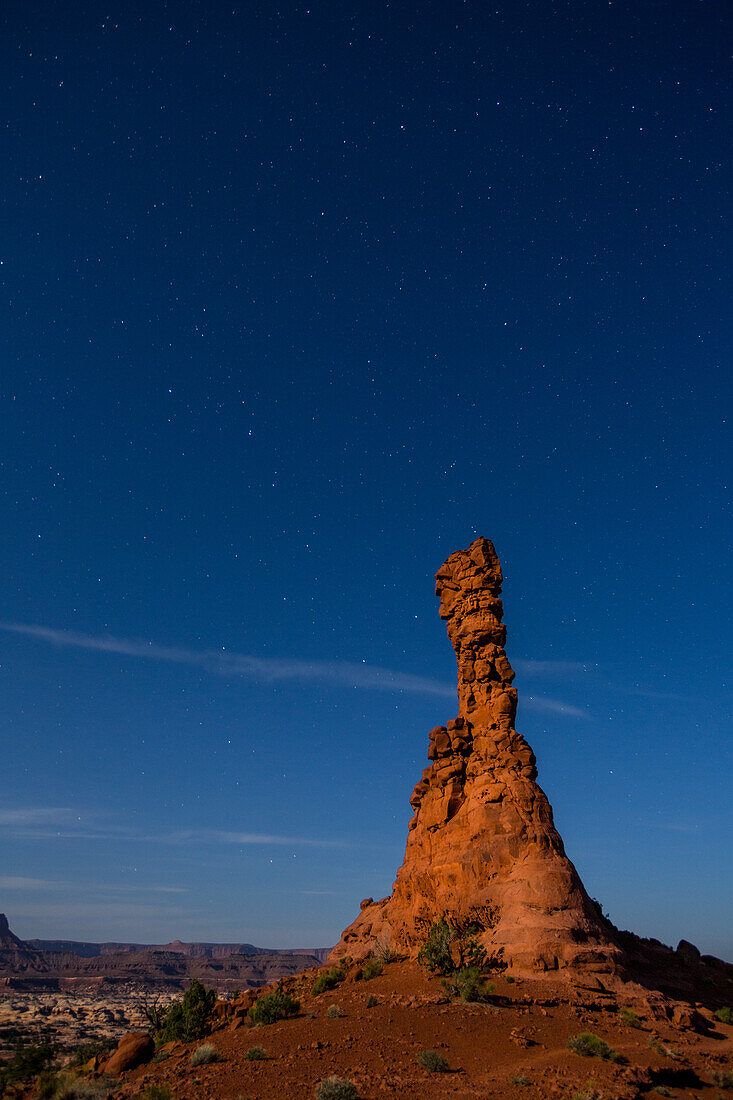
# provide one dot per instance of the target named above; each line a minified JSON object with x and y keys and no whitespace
{"x":61,"y":964}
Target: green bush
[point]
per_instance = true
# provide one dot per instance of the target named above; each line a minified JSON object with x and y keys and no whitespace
{"x":334,"y":1012}
{"x":629,"y":1018}
{"x":725,"y":1015}
{"x":508,"y":978}
{"x":255,"y":1054}
{"x":186,"y":1020}
{"x":432,"y":1061}
{"x":273,"y":1006}
{"x":328,"y":979}
{"x":592,"y":1046}
{"x":337,"y":1088}
{"x":372,"y":969}
{"x":87,"y":1051}
{"x":28,"y":1060}
{"x":447,"y":950}
{"x":204,"y":1055}
{"x":372,"y":1001}
{"x":723,"y":1079}
{"x":468,"y":985}
{"x":435,"y":953}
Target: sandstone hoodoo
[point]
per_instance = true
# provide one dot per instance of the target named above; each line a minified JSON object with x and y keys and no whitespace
{"x":482,"y":850}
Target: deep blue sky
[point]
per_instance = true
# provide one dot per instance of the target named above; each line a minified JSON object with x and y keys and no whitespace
{"x":298,"y":299}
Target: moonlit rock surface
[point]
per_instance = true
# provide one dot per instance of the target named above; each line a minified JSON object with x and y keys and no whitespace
{"x":482,"y":848}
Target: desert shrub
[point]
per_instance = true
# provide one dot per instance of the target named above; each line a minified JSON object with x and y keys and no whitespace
{"x":372,"y":1001}
{"x":468,"y":985}
{"x":337,"y":1088}
{"x":722,"y":1079}
{"x":273,"y":1006}
{"x":156,"y":1092}
{"x":662,"y":1090}
{"x":447,"y":950}
{"x":435,"y":953}
{"x":47,"y":1085}
{"x":384,"y":953}
{"x":67,"y":1086}
{"x":255,"y":1054}
{"x":154,"y":1012}
{"x":186,"y":1020}
{"x":592,"y":1046}
{"x":372,"y":969}
{"x":328,"y":979}
{"x":725,"y":1015}
{"x":204,"y":1055}
{"x":508,"y":978}
{"x":87,"y":1051}
{"x":432,"y":1061}
{"x":521,"y":1080}
{"x":28,"y":1060}
{"x":628,"y":1017}
{"x":660,"y":1048}
{"x":333,"y":1012}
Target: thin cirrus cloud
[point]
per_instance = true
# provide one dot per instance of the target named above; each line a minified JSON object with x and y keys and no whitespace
{"x":63,"y":823}
{"x":274,"y":669}
{"x":22,"y":883}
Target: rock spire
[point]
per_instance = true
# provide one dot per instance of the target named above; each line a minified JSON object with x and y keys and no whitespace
{"x":482,"y":847}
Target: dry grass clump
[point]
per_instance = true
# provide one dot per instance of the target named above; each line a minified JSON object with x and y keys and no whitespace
{"x":432,"y":1061}
{"x":592,"y":1046}
{"x":205,"y":1055}
{"x":337,"y":1088}
{"x":255,"y":1054}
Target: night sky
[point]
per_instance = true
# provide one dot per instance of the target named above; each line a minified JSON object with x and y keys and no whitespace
{"x":296,"y":301}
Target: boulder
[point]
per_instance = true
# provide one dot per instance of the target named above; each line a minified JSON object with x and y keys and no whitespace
{"x":133,"y":1049}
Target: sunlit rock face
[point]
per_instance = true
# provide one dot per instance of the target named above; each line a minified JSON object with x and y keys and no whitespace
{"x":482,"y":849}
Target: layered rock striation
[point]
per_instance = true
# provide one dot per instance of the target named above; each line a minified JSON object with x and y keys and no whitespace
{"x":482,"y":848}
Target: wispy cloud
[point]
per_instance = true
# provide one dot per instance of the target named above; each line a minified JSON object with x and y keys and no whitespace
{"x":22,"y":883}
{"x":36,"y":816}
{"x":551,"y":706}
{"x":222,"y":836}
{"x":274,"y":669}
{"x":257,"y":669}
{"x":18,"y":882}
{"x":62,"y":823}
{"x":558,"y":669}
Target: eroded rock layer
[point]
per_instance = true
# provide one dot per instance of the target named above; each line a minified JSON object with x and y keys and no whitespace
{"x":482,"y":848}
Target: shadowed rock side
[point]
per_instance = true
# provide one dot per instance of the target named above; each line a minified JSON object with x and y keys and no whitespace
{"x":482,"y":847}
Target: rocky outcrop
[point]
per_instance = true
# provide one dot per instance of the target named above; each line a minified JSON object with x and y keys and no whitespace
{"x":15,"y":955}
{"x":482,"y":848}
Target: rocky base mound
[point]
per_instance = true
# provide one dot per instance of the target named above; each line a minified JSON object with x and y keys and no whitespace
{"x":376,"y":1028}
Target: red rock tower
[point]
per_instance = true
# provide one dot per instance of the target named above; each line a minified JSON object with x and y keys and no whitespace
{"x":482,"y":847}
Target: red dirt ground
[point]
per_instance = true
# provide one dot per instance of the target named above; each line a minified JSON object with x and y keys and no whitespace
{"x":513,"y":1046}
